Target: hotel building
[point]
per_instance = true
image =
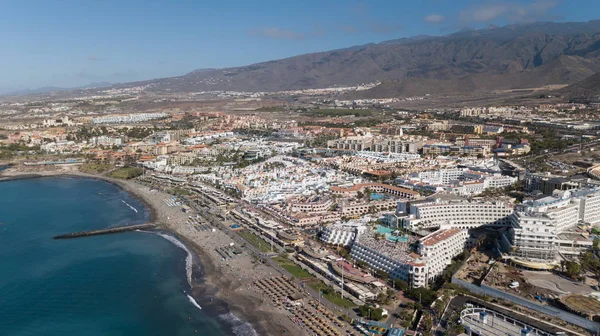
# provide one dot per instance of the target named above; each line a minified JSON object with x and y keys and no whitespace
{"x":454,"y":212}
{"x":544,"y":230}
{"x":435,"y":252}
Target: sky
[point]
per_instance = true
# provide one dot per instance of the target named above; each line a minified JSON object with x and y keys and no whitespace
{"x":70,"y":43}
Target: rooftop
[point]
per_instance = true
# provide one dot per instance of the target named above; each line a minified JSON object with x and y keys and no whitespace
{"x":439,"y":236}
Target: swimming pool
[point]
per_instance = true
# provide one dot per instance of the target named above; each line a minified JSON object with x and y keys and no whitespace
{"x":377,"y":197}
{"x":388,"y":234}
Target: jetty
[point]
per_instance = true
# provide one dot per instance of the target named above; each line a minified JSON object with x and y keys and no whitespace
{"x":118,"y":229}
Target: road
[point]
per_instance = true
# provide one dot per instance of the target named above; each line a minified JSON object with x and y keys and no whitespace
{"x":223,"y":225}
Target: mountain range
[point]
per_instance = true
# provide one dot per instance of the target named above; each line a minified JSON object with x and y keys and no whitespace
{"x":514,"y":56}
{"x":47,"y":89}
{"x":511,"y":57}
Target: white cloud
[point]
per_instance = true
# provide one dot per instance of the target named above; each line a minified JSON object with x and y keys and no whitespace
{"x":434,"y":18}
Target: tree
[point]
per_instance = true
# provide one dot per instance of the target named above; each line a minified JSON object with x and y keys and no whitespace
{"x":400,"y":284}
{"x":381,"y":274}
{"x":370,"y":312}
{"x":367,"y":193}
{"x":423,"y":295}
{"x":573,"y":269}
{"x":361,"y":264}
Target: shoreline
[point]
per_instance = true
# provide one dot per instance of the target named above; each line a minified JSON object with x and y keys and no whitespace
{"x":214,"y":285}
{"x":15,"y":176}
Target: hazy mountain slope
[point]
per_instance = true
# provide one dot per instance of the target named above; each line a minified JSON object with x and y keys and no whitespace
{"x":587,"y":88}
{"x":509,"y":57}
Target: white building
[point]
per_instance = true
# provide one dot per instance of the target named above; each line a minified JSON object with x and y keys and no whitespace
{"x":454,"y":212}
{"x":544,"y":229}
{"x":441,"y":176}
{"x":439,"y":248}
{"x":435,"y":252}
{"x":461,"y":181}
{"x":64,"y":121}
{"x":128,"y":119}
{"x":104,"y":140}
{"x":342,"y":234}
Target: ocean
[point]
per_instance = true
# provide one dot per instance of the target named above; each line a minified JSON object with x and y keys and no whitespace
{"x":131,"y":284}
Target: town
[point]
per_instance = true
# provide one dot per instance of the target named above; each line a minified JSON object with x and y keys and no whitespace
{"x":401,"y":222}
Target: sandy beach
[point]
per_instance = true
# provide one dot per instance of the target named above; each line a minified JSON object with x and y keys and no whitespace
{"x":221,"y":287}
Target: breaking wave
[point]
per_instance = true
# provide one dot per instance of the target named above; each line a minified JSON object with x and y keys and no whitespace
{"x":239,"y":327}
{"x":193,"y":301}
{"x":129,"y":205}
{"x":188,"y":258}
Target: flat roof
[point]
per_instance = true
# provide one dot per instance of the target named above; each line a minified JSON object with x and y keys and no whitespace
{"x":360,"y":186}
{"x":439,"y":236}
{"x":460,"y":301}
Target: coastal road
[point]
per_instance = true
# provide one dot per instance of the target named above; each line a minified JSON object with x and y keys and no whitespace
{"x":210,"y":215}
{"x":222,"y":225}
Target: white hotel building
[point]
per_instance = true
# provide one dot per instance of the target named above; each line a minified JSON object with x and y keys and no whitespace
{"x":435,"y":253}
{"x":544,"y":230}
{"x":439,"y":248}
{"x":128,"y":119}
{"x":460,"y":181}
{"x":454,"y":212}
{"x":342,"y":234}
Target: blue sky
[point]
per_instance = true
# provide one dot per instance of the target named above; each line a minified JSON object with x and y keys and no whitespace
{"x":75,"y":42}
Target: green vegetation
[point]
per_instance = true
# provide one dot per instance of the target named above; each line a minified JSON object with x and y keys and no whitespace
{"x":179,"y":191}
{"x":187,"y":122}
{"x":454,"y":328}
{"x":406,"y":317}
{"x":400,"y":284}
{"x":95,"y":168}
{"x":339,"y":112}
{"x":126,"y":173}
{"x":380,"y":273}
{"x":270,"y":109}
{"x":370,"y":312}
{"x":361,"y":264}
{"x":255,"y":240}
{"x":573,"y":269}
{"x":591,"y":262}
{"x":139,"y":132}
{"x":346,"y":318}
{"x":386,"y":297}
{"x":422,"y":295}
{"x":294,"y":269}
{"x":331,"y":295}
{"x":321,"y":140}
{"x":449,"y":271}
{"x":9,"y":151}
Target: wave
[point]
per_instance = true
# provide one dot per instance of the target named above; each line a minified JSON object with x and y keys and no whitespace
{"x":132,"y":208}
{"x":188,"y":258}
{"x":239,"y":327}
{"x":193,"y":301}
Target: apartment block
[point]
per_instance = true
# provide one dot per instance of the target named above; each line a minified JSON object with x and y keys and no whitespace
{"x":546,"y":228}
{"x":454,"y":212}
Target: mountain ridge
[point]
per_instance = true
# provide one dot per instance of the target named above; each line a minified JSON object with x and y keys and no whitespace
{"x":494,"y":58}
{"x":513,"y":56}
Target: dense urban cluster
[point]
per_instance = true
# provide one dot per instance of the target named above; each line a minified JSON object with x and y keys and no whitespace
{"x":421,"y":201}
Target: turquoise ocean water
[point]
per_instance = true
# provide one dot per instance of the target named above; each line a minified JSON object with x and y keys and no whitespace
{"x":123,"y":284}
